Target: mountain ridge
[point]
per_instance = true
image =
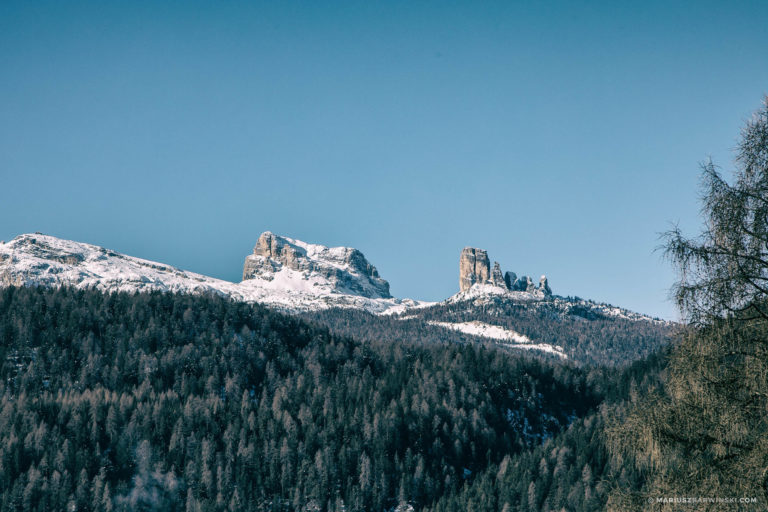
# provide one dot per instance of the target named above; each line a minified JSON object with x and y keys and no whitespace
{"x":45,"y":260}
{"x":282,"y":272}
{"x":295,"y":277}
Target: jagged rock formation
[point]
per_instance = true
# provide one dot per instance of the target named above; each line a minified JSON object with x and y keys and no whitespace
{"x":474,"y":268}
{"x":544,"y":285}
{"x":344,"y":268}
{"x":509,"y":279}
{"x":529,"y":287}
{"x":497,"y":279}
{"x":520,"y":284}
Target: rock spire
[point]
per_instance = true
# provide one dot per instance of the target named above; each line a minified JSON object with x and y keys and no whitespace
{"x":475,"y":268}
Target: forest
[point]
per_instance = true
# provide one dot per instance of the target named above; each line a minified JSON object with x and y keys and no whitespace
{"x":591,"y":340}
{"x":173,"y":402}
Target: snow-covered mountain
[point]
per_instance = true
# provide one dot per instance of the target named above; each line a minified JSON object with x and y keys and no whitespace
{"x":482,"y":286}
{"x":295,"y":276}
{"x":298,"y":277}
{"x":486,"y":296}
{"x":282,"y":272}
{"x":341,"y":270}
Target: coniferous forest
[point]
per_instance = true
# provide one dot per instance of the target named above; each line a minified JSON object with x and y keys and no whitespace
{"x":117,"y":401}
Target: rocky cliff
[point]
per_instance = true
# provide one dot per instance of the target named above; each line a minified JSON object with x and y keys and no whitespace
{"x":475,"y":269}
{"x":343,"y":268}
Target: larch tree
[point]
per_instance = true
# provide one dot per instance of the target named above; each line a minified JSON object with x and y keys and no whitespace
{"x":705,"y":434}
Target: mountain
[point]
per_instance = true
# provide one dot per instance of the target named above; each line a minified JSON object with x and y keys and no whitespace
{"x":283,"y":273}
{"x":483,"y":287}
{"x":330,"y":284}
{"x":513,"y":313}
{"x":342,"y":269}
{"x":518,"y":314}
{"x":199,"y":399}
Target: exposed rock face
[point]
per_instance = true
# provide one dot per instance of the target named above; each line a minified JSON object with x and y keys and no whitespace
{"x":544,"y":286}
{"x":346,"y":269}
{"x":529,"y":286}
{"x":509,"y":279}
{"x":497,"y":279}
{"x":521,"y":284}
{"x":474,"y":267}
{"x":276,"y":250}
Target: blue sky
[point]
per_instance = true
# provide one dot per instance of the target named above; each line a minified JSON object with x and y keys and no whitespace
{"x":562,"y":137}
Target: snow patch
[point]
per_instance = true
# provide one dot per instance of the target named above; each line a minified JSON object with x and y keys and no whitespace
{"x":506,"y":337}
{"x":482,"y":291}
{"x":485,"y":330}
{"x":544,"y":347}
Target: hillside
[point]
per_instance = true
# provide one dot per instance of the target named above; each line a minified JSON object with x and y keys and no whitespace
{"x":166,"y":401}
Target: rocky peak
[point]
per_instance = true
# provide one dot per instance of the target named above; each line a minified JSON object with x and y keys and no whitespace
{"x":344,"y":269}
{"x":509,"y":279}
{"x":544,"y":286}
{"x":474,"y":268}
{"x":497,"y":278}
{"x":278,"y":249}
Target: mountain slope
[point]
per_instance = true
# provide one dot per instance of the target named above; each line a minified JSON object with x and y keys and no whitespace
{"x":163,"y":401}
{"x":322,"y":277}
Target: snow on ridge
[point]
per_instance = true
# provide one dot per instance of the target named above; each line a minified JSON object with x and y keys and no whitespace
{"x":482,"y":293}
{"x":626,"y":314}
{"x":544,"y":347}
{"x":505,"y":337}
{"x":36,"y":259}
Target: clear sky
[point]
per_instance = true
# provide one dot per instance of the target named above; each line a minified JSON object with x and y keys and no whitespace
{"x":560,"y":136}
